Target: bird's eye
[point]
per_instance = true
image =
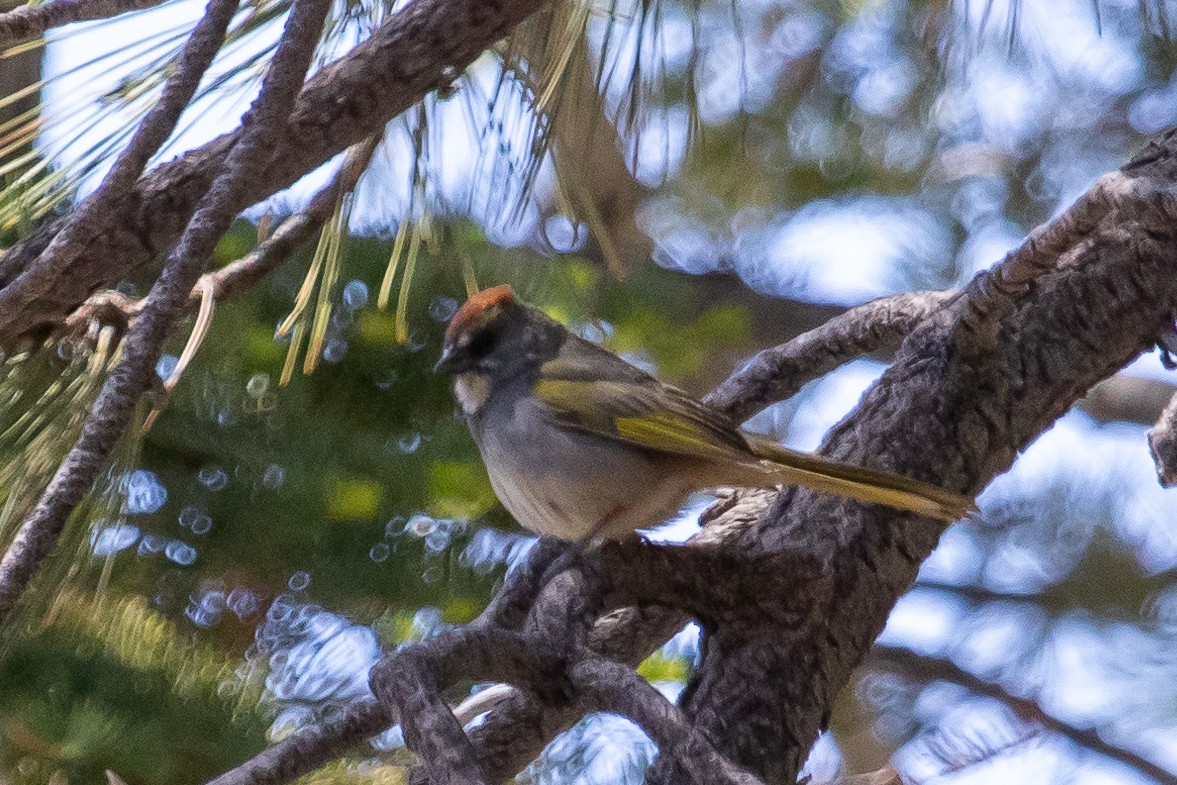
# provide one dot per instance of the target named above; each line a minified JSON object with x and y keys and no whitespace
{"x":481,"y":343}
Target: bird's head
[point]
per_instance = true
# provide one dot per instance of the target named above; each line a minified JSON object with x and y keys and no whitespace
{"x":477,"y":337}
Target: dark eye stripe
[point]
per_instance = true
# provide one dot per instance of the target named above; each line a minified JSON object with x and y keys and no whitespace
{"x":481,"y":343}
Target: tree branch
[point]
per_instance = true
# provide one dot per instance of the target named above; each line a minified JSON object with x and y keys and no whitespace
{"x":928,"y":669}
{"x":113,"y":409}
{"x":307,"y":750}
{"x":1040,"y":253}
{"x":509,"y":607}
{"x":424,"y":46}
{"x":431,"y":729}
{"x":413,"y":678}
{"x":970,"y":387}
{"x":33,"y":20}
{"x":239,"y":276}
{"x":91,"y":216}
{"x":616,"y":688}
{"x":776,"y":374}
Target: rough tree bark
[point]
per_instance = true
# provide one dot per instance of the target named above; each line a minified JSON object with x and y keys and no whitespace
{"x":979,"y":381}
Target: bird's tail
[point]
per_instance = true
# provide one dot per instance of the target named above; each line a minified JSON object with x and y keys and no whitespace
{"x":785,"y":466}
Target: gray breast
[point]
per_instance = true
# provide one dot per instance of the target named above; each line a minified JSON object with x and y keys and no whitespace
{"x":564,"y":483}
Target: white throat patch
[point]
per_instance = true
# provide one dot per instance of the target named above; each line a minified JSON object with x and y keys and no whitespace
{"x":471,"y":390}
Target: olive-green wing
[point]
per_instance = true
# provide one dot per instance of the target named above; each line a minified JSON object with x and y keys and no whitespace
{"x":635,"y":408}
{"x":592,"y":391}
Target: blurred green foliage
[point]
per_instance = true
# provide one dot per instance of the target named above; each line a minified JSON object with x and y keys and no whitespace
{"x":314,"y":477}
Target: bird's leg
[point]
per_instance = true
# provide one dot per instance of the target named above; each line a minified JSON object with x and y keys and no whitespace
{"x":598,"y":528}
{"x":578,"y":548}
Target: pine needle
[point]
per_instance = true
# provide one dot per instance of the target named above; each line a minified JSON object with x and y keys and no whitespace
{"x":402,"y":303}
{"x":336,"y":231}
{"x":398,"y":247}
{"x":291,"y":355}
{"x":307,"y":290}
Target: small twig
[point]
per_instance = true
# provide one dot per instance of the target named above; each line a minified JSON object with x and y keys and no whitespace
{"x":616,"y":688}
{"x":1162,"y":440}
{"x":240,"y":275}
{"x":775,"y":374}
{"x":113,"y":409}
{"x":307,"y":750}
{"x":932,"y":668}
{"x":204,"y":319}
{"x":29,"y":21}
{"x":112,"y":307}
{"x":90,"y":217}
{"x":109,"y":306}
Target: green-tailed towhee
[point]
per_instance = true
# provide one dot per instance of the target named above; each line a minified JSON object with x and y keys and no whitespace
{"x":581,"y":445}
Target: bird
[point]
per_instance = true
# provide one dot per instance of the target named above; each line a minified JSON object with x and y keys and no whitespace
{"x":582,"y":446}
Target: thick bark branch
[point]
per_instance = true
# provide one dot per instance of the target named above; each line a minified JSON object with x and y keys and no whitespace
{"x":421,"y":48}
{"x":115,"y":405}
{"x":969,"y":389}
{"x":776,"y":374}
{"x":510,"y":606}
{"x":32,"y":20}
